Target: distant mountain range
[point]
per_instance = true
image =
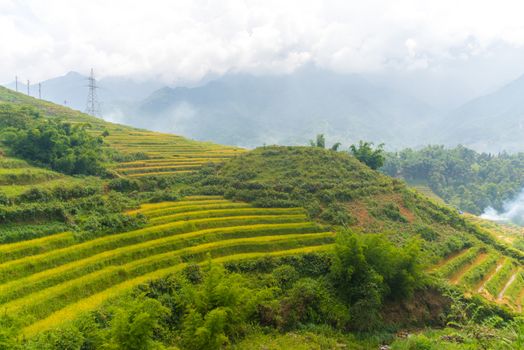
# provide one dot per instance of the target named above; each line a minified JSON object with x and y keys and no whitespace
{"x":247,"y":110}
{"x":494,"y":122}
{"x":288,"y":109}
{"x":71,"y":90}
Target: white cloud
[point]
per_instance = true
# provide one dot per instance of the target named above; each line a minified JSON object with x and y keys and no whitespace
{"x":183,"y":41}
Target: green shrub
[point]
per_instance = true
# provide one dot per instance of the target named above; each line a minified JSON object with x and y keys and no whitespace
{"x":285,"y":276}
{"x":124,"y":185}
{"x":4,"y":200}
{"x":367,"y":269}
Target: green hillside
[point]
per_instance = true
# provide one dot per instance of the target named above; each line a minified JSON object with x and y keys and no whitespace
{"x":180,"y":244}
{"x":59,"y":283}
{"x":339,"y":190}
{"x":467,"y":179}
{"x":143,"y":152}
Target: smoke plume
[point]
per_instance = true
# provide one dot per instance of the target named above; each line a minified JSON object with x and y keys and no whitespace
{"x":513,"y":211}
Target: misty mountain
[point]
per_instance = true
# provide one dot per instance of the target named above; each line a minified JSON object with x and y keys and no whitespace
{"x":252,"y":110}
{"x":248,"y":110}
{"x":114,"y":93}
{"x":494,"y":122}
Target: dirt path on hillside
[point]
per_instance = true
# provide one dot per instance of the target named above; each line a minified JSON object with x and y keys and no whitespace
{"x":519,"y":300}
{"x":482,"y":286}
{"x":455,"y":279}
{"x":508,"y":283}
{"x":448,"y":259}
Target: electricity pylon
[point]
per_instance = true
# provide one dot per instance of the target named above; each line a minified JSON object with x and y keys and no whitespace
{"x":93,"y":106}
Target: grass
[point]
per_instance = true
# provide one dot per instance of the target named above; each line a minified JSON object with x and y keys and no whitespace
{"x":166,"y":154}
{"x":299,"y":212}
{"x":54,"y":276}
{"x":148,"y":207}
{"x":74,"y":310}
{"x":456,"y":264}
{"x":168,"y":209}
{"x":497,"y":282}
{"x":515,"y":289}
{"x":26,"y":176}
{"x":77,"y":268}
{"x":163,"y":212}
{"x":478,"y":273}
{"x":23,"y":267}
{"x":13,"y":251}
{"x":41,"y":304}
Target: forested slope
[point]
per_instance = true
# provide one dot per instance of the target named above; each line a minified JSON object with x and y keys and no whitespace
{"x":462,"y":177}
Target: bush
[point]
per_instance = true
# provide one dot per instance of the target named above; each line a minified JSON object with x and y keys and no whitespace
{"x":285,"y":276}
{"x":124,"y":185}
{"x":61,"y":146}
{"x":310,"y":301}
{"x":4,"y":200}
{"x":367,"y":269}
{"x":97,"y":225}
{"x":133,"y":326}
{"x":426,"y":232}
{"x":64,"y":338}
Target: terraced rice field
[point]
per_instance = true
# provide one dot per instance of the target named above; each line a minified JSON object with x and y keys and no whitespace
{"x":17,"y":176}
{"x":484,"y":271}
{"x":505,"y":232}
{"x":52,"y":279}
{"x":166,"y":154}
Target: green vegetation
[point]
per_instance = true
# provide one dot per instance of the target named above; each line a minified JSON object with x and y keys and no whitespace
{"x":457,"y":263}
{"x":368,"y":269}
{"x":497,"y":282}
{"x":476,"y":275}
{"x":61,"y":146}
{"x":314,"y":178}
{"x":373,"y":158}
{"x":208,"y":306}
{"x":462,"y":177}
{"x":177,"y":244}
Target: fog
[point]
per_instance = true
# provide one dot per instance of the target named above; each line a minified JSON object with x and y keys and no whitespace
{"x":513,"y":212}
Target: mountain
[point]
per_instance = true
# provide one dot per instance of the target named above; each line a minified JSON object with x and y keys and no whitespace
{"x":249,"y":110}
{"x":114,"y":93}
{"x":490,"y":123}
{"x":69,"y":90}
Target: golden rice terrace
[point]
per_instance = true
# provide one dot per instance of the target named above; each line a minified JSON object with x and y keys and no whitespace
{"x":50,"y":280}
{"x":165,"y":154}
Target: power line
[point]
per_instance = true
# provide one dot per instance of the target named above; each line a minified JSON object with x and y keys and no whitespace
{"x":93,"y":107}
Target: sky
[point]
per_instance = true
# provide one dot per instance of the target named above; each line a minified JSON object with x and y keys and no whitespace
{"x":445,"y":51}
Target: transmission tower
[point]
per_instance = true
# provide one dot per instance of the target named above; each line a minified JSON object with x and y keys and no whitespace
{"x":16,"y":83}
{"x":92,"y":107}
{"x":28,"y":85}
{"x":40,"y":90}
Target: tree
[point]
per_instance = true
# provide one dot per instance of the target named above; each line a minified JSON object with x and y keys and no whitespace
{"x":320,"y":141}
{"x":364,"y":152}
{"x":368,"y":269}
{"x":61,"y":146}
{"x":336,"y":146}
{"x":134,"y":325}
